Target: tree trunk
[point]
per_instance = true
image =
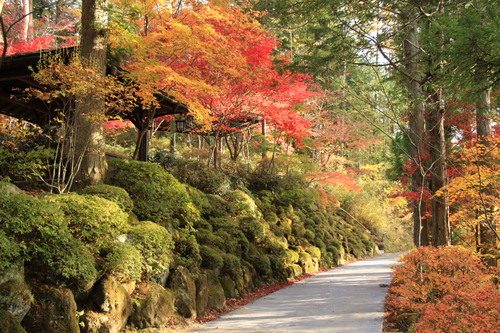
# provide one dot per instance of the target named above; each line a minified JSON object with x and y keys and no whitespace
{"x":487,"y":240}
{"x":441,"y":233}
{"x":90,"y":111}
{"x":416,"y":131}
{"x":27,"y":20}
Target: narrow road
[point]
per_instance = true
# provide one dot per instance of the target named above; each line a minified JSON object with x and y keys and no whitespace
{"x":344,"y":299}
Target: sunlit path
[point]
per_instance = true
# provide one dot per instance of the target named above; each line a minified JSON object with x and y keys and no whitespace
{"x":345,"y":299}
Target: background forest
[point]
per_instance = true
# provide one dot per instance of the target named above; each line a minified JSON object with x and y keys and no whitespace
{"x":190,"y":151}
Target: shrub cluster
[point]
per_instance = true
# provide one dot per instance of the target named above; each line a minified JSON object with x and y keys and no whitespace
{"x":443,"y":289}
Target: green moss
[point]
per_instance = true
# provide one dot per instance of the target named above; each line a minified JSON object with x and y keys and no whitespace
{"x":217,"y":207}
{"x":9,"y":324}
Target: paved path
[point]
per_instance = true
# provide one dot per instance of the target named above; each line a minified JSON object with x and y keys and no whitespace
{"x":344,"y":299}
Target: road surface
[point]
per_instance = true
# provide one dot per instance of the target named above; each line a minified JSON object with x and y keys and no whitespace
{"x":345,"y":299}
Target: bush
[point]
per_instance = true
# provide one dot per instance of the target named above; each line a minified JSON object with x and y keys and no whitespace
{"x":157,"y":195}
{"x":154,"y":242}
{"x":187,"y":249}
{"x":125,"y":262}
{"x":474,"y":312}
{"x":211,"y":258}
{"x":44,"y":241}
{"x":262,"y":265}
{"x":232,"y":265}
{"x":207,"y":237}
{"x":237,"y":244}
{"x":198,"y":175}
{"x":94,"y":220}
{"x":435,"y":278}
{"x":217,"y":207}
{"x":28,"y":165}
{"x":252,"y":228}
{"x":10,"y":251}
{"x":244,"y":204}
{"x":116,"y":194}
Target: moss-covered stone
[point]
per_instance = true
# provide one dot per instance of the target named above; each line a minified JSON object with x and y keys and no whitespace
{"x":113,"y":304}
{"x":9,"y":323}
{"x":155,"y":307}
{"x":55,"y":311}
{"x":184,"y":288}
{"x":229,"y":286}
{"x":15,"y":295}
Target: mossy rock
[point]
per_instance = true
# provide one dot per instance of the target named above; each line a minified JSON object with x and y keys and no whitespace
{"x":184,"y":287}
{"x":114,"y":305}
{"x":229,"y":286}
{"x":155,"y":307}
{"x":55,"y":311}
{"x":209,"y":292}
{"x":9,"y":323}
{"x":15,"y":297}
{"x":294,"y":270}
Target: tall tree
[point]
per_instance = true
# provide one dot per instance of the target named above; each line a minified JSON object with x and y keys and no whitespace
{"x":89,"y":110}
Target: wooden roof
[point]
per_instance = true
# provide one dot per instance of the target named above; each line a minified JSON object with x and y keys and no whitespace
{"x":16,"y":76}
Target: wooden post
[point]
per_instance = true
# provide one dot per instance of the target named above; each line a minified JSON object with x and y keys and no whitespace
{"x":172,"y":137}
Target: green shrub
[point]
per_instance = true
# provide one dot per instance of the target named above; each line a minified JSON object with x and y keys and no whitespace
{"x":291,"y":256}
{"x":237,"y":244}
{"x":44,"y":241}
{"x":278,"y":270}
{"x":207,"y":237}
{"x":262,"y":265}
{"x":10,"y":251}
{"x":187,"y":249}
{"x":224,"y":223}
{"x":154,"y":242}
{"x":232,"y":265}
{"x":157,"y":195}
{"x":25,"y":165}
{"x":217,"y":207}
{"x":313,"y":251}
{"x":124,"y":262}
{"x":274,"y":245}
{"x":244,"y":204}
{"x":211,"y":258}
{"x":251,"y":227}
{"x":112,"y":193}
{"x":198,"y":175}
{"x":94,"y":220}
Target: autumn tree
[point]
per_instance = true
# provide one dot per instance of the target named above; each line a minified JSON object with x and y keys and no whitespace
{"x":212,"y":57}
